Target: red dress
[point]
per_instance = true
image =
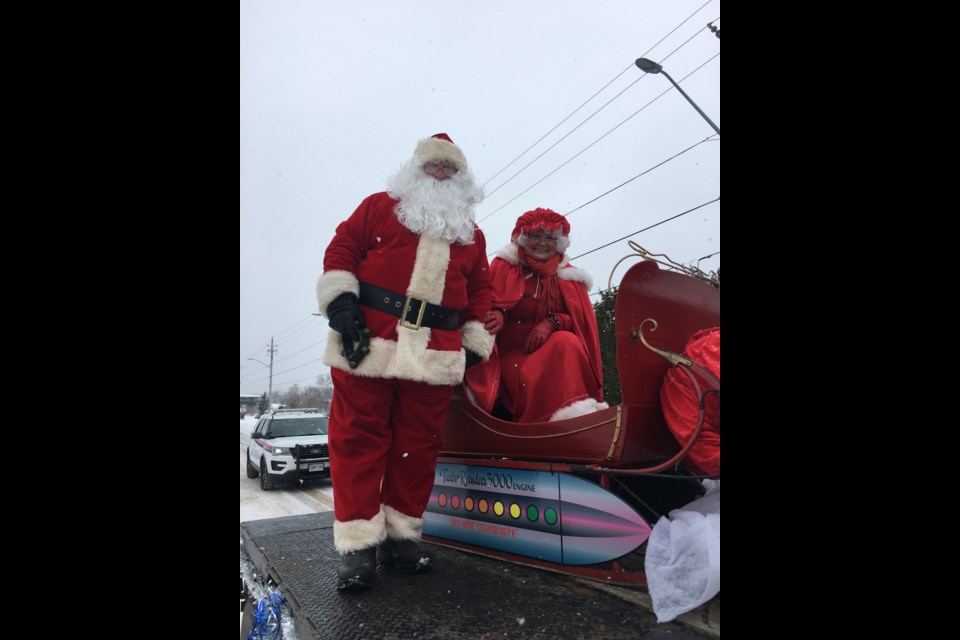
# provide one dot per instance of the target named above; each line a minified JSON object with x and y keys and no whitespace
{"x":566,"y":369}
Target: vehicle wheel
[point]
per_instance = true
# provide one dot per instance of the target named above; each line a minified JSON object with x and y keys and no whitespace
{"x":266,"y":483}
{"x":251,"y":470}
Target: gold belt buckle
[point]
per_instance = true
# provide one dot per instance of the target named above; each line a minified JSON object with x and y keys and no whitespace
{"x":406,"y":308}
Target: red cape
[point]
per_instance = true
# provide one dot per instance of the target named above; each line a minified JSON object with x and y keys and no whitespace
{"x":508,"y":287}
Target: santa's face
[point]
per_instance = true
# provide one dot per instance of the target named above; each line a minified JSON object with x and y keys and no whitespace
{"x":436,"y":199}
{"x":440,"y":170}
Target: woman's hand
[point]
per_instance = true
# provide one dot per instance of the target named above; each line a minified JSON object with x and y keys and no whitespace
{"x":539,"y":334}
{"x":493,"y":321}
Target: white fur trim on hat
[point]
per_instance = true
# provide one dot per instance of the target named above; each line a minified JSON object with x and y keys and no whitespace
{"x":435,"y":149}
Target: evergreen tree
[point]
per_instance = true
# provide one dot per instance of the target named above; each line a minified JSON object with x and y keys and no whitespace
{"x":262,"y":405}
{"x":604,"y":310}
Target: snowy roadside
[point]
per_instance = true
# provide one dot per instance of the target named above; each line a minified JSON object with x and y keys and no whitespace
{"x":256,"y":504}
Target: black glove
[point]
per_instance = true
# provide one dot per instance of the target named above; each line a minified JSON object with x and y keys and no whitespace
{"x":345,"y":316}
{"x":472,"y":358}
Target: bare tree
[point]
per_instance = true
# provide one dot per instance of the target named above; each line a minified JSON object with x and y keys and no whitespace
{"x":291,"y":397}
{"x":311,"y":397}
{"x":319,"y":396}
{"x":325,"y":384}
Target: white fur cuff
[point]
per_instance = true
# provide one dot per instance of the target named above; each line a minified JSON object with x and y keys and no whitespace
{"x":354,"y":535}
{"x":402,"y":527}
{"x":332,"y":284}
{"x":476,"y":338}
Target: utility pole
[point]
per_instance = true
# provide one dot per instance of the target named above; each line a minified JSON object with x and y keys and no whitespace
{"x":270,"y":391}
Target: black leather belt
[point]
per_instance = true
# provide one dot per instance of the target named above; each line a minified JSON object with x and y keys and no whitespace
{"x":413,"y":312}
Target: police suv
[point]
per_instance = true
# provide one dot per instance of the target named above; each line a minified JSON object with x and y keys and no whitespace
{"x":289,"y":444}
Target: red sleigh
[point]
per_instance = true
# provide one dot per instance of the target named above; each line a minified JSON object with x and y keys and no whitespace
{"x":606,"y":476}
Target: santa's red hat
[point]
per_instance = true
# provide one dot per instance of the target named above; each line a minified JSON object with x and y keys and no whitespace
{"x":439,"y":147}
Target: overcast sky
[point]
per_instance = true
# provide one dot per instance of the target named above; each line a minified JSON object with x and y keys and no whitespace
{"x":334,"y":96}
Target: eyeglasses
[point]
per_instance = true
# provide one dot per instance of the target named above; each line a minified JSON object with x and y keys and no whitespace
{"x":537,"y":237}
{"x":432,"y":169}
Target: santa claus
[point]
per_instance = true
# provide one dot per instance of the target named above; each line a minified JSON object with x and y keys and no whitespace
{"x":405,"y":284}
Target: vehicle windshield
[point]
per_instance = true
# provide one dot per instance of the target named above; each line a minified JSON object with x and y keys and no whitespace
{"x":313,"y":426}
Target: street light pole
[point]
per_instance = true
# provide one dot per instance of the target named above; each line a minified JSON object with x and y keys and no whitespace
{"x":270,"y":391}
{"x":652,"y":67}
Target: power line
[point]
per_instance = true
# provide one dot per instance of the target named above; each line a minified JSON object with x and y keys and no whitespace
{"x":547,"y":150}
{"x":556,"y":143}
{"x":299,"y":366}
{"x":302,"y":331}
{"x":302,"y":350}
{"x":642,"y":173}
{"x":657,"y":224}
{"x":554,"y":129}
{"x":659,"y":164}
{"x":681,"y":46}
{"x":295,"y":328}
{"x":599,"y":291}
{"x":585,"y":103}
{"x":572,"y":158}
{"x":291,"y":327}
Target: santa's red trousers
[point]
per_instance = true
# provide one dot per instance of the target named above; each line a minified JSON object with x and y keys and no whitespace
{"x":383,"y":429}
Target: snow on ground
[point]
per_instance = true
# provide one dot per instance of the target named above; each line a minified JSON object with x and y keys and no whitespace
{"x":256,"y":504}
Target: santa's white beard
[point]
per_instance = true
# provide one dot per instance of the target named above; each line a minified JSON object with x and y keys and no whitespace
{"x":435,"y":208}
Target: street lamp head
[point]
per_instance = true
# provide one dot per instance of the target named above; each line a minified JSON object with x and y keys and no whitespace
{"x":648,"y":65}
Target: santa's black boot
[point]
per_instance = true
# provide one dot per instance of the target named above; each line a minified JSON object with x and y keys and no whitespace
{"x":406,"y":555}
{"x":357,"y":569}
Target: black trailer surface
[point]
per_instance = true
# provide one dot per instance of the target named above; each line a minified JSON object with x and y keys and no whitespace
{"x":464,"y":596}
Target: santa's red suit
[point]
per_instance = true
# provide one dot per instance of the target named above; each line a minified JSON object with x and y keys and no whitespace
{"x":387,"y":413}
{"x":564,"y":377}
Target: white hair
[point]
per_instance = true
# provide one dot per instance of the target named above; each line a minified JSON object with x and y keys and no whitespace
{"x":562,"y":241}
{"x":435,"y":208}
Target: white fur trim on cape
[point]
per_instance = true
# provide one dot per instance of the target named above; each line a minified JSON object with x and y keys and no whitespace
{"x":401,"y":526}
{"x":354,"y":535}
{"x":434,"y":149}
{"x":511,"y":254}
{"x":476,"y":338}
{"x":578,"y":408}
{"x":332,"y":284}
